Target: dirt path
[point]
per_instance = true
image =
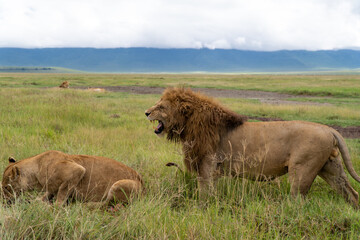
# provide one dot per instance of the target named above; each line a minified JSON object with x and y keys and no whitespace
{"x":264,"y":97}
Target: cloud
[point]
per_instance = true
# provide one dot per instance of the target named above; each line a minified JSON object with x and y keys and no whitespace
{"x":240,"y":24}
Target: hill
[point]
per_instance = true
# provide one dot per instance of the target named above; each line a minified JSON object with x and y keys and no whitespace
{"x":179,"y":60}
{"x":37,"y":70}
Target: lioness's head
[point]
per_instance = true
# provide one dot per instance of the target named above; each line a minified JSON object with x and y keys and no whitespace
{"x":65,"y":84}
{"x":11,"y":182}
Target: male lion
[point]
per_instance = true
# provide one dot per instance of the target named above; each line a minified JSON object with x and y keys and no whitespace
{"x":86,"y":178}
{"x":217,"y":141}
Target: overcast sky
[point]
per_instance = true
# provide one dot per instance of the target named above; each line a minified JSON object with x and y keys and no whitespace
{"x":239,"y":24}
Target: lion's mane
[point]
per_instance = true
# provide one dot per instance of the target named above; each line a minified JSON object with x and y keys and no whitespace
{"x":198,"y":122}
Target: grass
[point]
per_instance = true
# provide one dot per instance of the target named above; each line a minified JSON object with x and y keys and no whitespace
{"x":316,"y":85}
{"x":352,"y":103}
{"x":114,"y":125}
{"x":330,"y":115}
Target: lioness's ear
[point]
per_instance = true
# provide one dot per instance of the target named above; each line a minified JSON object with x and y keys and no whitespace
{"x":15,"y":173}
{"x":12,"y":160}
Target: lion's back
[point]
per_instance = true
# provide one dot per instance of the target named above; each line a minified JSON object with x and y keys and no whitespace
{"x":277,"y":141}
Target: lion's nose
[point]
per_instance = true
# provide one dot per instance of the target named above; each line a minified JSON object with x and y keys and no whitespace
{"x":147,"y":113}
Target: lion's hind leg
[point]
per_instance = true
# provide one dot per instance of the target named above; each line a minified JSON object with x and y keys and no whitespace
{"x":303,"y":170}
{"x":333,"y":173}
{"x":123,"y":191}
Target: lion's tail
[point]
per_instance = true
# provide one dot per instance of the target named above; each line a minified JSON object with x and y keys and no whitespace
{"x":171,"y":164}
{"x":345,"y":154}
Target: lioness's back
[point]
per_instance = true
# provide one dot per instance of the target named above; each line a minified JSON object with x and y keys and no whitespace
{"x":101,"y":173}
{"x":105,"y":167}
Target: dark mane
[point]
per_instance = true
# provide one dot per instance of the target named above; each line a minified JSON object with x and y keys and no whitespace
{"x":201,"y":124}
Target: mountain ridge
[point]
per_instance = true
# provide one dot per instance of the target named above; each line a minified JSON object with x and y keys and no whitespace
{"x":180,"y":60}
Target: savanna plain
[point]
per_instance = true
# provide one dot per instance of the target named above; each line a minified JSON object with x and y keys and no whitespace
{"x":36,"y":116}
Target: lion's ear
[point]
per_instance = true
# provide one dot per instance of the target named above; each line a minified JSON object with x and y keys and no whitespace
{"x":12,"y":160}
{"x":233,"y":120}
{"x":185,"y":109}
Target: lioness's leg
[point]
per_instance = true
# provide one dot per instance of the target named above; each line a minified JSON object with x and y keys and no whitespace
{"x":333,"y":173}
{"x":47,"y":197}
{"x":124,"y":190}
{"x":64,"y":179}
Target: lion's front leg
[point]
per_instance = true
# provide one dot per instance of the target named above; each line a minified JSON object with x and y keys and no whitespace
{"x":206,"y":178}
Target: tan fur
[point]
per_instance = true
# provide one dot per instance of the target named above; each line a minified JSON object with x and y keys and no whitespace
{"x":65,"y":84}
{"x":83,"y":177}
{"x":217,"y":141}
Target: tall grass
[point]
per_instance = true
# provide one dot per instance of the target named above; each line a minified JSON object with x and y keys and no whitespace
{"x":114,"y":125}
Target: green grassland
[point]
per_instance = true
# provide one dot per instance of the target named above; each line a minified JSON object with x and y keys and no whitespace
{"x":317,"y":85}
{"x":34,"y":119}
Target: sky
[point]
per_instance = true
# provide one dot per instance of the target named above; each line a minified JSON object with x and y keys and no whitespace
{"x":261,"y":25}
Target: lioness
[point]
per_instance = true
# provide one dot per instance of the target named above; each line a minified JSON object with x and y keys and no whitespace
{"x":217,"y":141}
{"x":65,"y":84}
{"x":86,"y":178}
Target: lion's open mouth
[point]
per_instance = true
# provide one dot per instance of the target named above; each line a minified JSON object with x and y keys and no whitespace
{"x":159,"y":128}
